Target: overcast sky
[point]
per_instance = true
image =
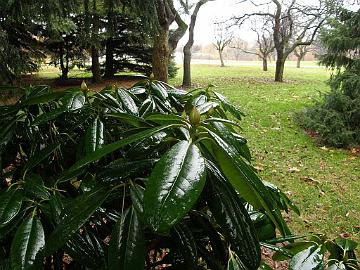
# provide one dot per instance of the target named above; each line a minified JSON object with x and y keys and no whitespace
{"x":220,"y":10}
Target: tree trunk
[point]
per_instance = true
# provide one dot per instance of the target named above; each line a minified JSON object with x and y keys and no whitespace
{"x":298,"y":62}
{"x":221,"y":58}
{"x":64,"y":70}
{"x":280,"y":66}
{"x":187,"y":67}
{"x":109,"y":64}
{"x":187,"y":48}
{"x":161,"y":54}
{"x":265,"y":64}
{"x":95,"y":64}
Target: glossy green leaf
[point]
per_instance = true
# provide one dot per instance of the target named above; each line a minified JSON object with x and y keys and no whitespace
{"x":127,"y":101}
{"x":46,"y":117}
{"x":43,"y":98}
{"x":159,"y":90}
{"x":229,"y":107}
{"x":87,"y":250}
{"x":290,"y":250}
{"x":107,"y":149}
{"x":210,"y":228}
{"x":204,"y":108}
{"x":127,"y":245}
{"x":121,"y":170}
{"x":132,"y":120}
{"x":137,"y":198}
{"x":281,"y":250}
{"x":28,"y":241}
{"x":74,"y":216}
{"x":244,"y":179}
{"x":186,"y":244}
{"x":10,"y":205}
{"x":94,"y":138}
{"x":40,"y":156}
{"x":174,"y":186}
{"x":146,"y":107}
{"x":234,"y":220}
{"x":166,"y":119}
{"x":73,"y":101}
{"x":338,"y":266}
{"x":346,"y":244}
{"x":228,"y":136}
{"x":283,"y":201}
{"x":34,"y":186}
{"x":308,"y":259}
{"x":6,"y":132}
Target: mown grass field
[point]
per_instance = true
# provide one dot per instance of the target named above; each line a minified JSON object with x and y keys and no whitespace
{"x":323,"y":182}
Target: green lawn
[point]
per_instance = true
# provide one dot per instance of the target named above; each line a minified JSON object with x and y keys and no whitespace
{"x":325,"y":183}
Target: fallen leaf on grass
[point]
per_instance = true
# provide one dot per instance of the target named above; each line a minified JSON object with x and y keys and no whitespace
{"x":308,"y":179}
{"x":294,"y":169}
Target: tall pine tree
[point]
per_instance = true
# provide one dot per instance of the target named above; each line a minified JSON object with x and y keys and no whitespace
{"x":337,"y":116}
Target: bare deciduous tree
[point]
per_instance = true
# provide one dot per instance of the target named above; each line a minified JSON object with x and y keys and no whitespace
{"x":264,"y":44}
{"x":300,"y":53}
{"x":223,"y":36}
{"x":187,"y":48}
{"x":293,"y":24}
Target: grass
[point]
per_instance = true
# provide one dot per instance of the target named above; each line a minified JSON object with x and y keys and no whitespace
{"x":323,"y":182}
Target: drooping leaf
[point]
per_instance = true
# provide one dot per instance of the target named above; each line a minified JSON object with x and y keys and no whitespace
{"x":74,"y":216}
{"x":6,"y":132}
{"x":186,"y":244}
{"x":47,"y":97}
{"x":132,"y":120}
{"x":166,"y":119}
{"x":234,"y":220}
{"x":127,"y":101}
{"x":308,"y":259}
{"x":94,"y":138}
{"x":137,"y":198}
{"x":346,"y":244}
{"x":147,"y":107}
{"x":127,"y":245}
{"x":243,"y":178}
{"x":73,"y":101}
{"x":46,"y":117}
{"x":10,"y":205}
{"x":121,"y":170}
{"x":34,"y":186}
{"x":27,"y":243}
{"x":229,"y":107}
{"x":174,"y":186}
{"x":86,"y":249}
{"x":40,"y":156}
{"x":107,"y":149}
{"x":159,"y":90}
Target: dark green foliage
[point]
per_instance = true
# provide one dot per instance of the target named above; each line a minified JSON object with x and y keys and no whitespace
{"x":130,"y":44}
{"x":172,"y":69}
{"x":336,"y":117}
{"x":121,"y":179}
{"x":79,"y":168}
{"x":310,"y":253}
